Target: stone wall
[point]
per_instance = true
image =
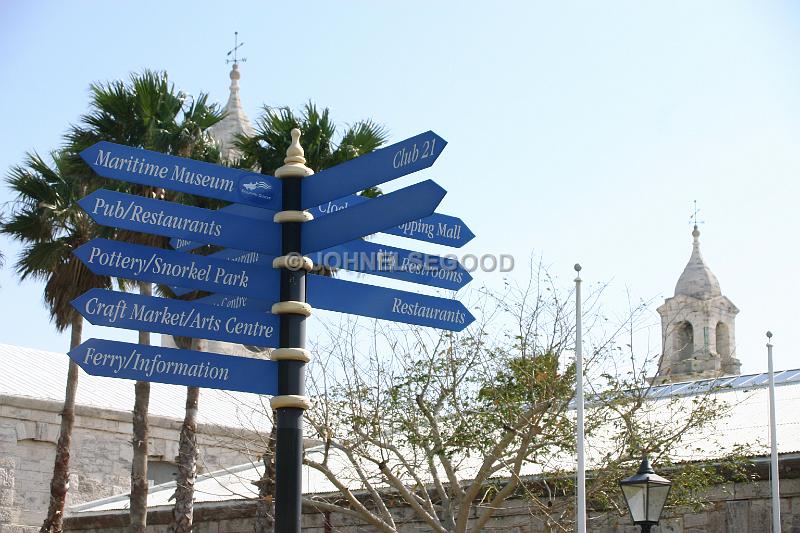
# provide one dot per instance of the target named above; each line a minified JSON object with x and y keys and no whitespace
{"x":734,"y":508}
{"x":100,"y":460}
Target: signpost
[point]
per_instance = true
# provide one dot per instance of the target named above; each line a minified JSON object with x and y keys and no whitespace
{"x":136,"y":165}
{"x":371,"y":217}
{"x":436,"y":228}
{"x":146,"y":215}
{"x":417,"y":153}
{"x":237,"y":256}
{"x":176,"y":317}
{"x":387,"y":304}
{"x":177,"y":367}
{"x":156,"y":265}
{"x":396,"y":263}
{"x":259,"y":282}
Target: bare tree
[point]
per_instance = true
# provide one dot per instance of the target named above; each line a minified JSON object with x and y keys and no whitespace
{"x":454,"y":425}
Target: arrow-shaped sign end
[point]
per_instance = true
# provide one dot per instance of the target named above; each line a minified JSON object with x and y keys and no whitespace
{"x":76,"y":353}
{"x":468,"y":319}
{"x":83,"y":252}
{"x":467,"y":278}
{"x":88,"y":154}
{"x":437,"y":191}
{"x":87,"y":201}
{"x":439,"y":140}
{"x":80,"y":302}
{"x":468,"y":235}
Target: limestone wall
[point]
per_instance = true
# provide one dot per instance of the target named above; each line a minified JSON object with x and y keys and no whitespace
{"x":100,"y":460}
{"x":734,"y":508}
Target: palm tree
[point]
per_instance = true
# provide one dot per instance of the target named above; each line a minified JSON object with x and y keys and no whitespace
{"x":183,"y":510}
{"x":266,"y":150}
{"x":148,"y":113}
{"x":48,"y":220}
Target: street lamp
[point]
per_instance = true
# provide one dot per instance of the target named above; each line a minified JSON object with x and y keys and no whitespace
{"x":645,"y":494}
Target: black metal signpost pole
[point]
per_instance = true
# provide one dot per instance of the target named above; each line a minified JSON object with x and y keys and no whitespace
{"x":291,"y":354}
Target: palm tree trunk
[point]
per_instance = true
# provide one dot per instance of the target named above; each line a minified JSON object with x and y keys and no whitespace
{"x":138,"y":512}
{"x":54,"y":522}
{"x":183,"y":512}
{"x":265,"y":506}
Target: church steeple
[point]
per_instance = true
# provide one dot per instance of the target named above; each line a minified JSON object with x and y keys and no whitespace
{"x":697,"y":325}
{"x":235,"y":122}
{"x":697,"y":279}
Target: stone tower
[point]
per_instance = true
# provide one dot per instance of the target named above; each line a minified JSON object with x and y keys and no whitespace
{"x":235,"y":122}
{"x":697,"y":326}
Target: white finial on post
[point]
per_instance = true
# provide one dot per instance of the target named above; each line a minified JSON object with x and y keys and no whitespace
{"x":295,"y":162}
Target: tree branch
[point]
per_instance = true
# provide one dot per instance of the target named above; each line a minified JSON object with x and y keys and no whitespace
{"x":362,"y":511}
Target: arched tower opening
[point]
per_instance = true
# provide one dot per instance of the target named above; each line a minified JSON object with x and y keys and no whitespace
{"x":723,"y":339}
{"x":683,"y":343}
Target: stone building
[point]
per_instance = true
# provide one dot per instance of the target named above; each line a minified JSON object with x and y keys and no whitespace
{"x":31,"y":399}
{"x":697,"y":326}
{"x":225,"y":501}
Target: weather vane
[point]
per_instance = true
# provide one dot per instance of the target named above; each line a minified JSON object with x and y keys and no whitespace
{"x":235,"y":50}
{"x":693,"y":218}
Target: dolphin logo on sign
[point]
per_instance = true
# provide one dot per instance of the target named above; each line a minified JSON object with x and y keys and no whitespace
{"x":256,"y":188}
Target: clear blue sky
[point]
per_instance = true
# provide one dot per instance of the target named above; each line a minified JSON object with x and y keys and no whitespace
{"x":578,"y":131}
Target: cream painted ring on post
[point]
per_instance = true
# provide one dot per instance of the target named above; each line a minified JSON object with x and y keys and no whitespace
{"x":292,"y":216}
{"x":290,"y":400}
{"x":293,"y":262}
{"x":290,"y":354}
{"x":290,"y":307}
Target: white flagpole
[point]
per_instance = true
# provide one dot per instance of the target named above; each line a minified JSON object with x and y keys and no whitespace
{"x":773,"y":437}
{"x":580,"y":513}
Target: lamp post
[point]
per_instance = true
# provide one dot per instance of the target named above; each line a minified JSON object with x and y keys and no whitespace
{"x":645,"y":494}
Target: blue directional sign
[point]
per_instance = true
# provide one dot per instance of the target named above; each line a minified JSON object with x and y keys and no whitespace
{"x":124,"y":360}
{"x":236,"y":256}
{"x":371,"y":169}
{"x":136,"y":213}
{"x":383,"y":212}
{"x":395,"y":263}
{"x":265,"y":214}
{"x":233,"y":209}
{"x":437,"y":229}
{"x":155,"y":169}
{"x":135,"y":261}
{"x":176,"y":317}
{"x":387,"y":304}
{"x":333,"y":206}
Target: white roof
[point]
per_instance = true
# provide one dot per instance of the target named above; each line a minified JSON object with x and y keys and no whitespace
{"x":746,"y":423}
{"x":31,"y":373}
